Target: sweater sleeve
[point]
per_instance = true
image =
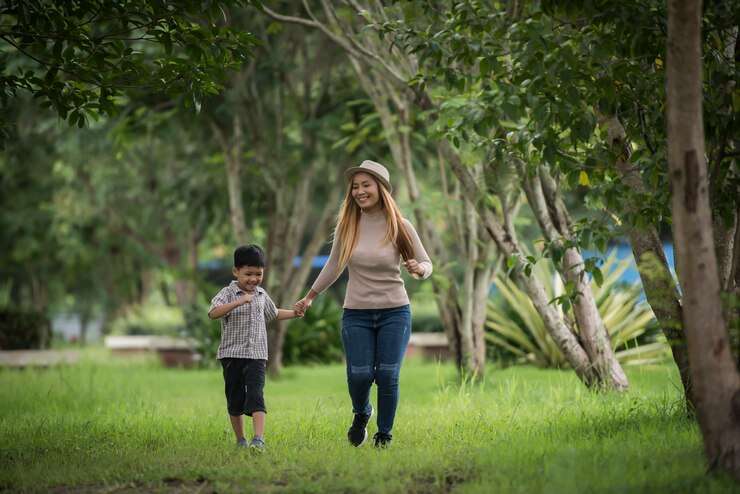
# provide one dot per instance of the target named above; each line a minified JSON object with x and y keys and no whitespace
{"x":420,"y":254}
{"x":330,"y":272}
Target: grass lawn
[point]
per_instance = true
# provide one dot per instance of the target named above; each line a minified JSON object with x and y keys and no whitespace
{"x":122,"y":426}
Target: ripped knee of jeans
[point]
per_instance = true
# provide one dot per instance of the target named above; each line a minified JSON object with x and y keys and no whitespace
{"x":387,"y":374}
{"x":361,"y":372}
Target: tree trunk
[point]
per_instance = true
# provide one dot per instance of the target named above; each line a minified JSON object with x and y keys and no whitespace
{"x":85,"y":317}
{"x":471,"y":361}
{"x":555,"y":324}
{"x":482,"y":287}
{"x":289,"y":281}
{"x":662,"y":295}
{"x":660,"y":288}
{"x":451,"y":317}
{"x":593,"y":333}
{"x":554,"y":223}
{"x":714,"y":375}
{"x":724,"y":240}
{"x":733,"y":280}
{"x":732,"y":289}
{"x":232,"y":150}
{"x":39,"y":295}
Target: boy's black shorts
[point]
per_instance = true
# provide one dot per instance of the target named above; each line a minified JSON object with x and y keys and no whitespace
{"x":244,"y":382}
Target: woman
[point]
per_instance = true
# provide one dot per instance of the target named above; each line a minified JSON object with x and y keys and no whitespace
{"x":370,"y":239}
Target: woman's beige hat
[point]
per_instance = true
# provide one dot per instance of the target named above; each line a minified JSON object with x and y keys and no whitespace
{"x":375,"y":169}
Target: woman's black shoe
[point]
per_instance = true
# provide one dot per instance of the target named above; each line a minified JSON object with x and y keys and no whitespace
{"x":382,"y":440}
{"x":357,"y":433}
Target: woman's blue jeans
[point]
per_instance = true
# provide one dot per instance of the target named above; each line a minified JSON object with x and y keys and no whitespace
{"x":374,"y":342}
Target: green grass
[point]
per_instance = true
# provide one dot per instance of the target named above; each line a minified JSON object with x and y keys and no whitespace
{"x":118,"y":426}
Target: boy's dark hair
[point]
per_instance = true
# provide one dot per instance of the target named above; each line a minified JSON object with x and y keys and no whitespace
{"x":249,"y":255}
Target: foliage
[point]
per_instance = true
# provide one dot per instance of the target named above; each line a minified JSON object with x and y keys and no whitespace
{"x":204,"y":331}
{"x":21,"y":329}
{"x":151,"y":318}
{"x":533,"y":81}
{"x":315,"y":338}
{"x":110,"y":424}
{"x":36,"y":255}
{"x":80,"y":57}
{"x":515,"y":326}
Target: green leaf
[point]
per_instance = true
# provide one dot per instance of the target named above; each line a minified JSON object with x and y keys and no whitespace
{"x":598,"y":276}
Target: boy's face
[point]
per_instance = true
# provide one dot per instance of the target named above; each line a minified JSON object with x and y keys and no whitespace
{"x":248,"y":277}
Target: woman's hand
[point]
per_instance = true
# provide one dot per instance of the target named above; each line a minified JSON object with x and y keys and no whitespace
{"x":413,"y":267}
{"x":302,"y":306}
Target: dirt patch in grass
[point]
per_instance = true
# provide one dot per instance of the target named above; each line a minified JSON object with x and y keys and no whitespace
{"x":166,"y":486}
{"x":438,"y":483}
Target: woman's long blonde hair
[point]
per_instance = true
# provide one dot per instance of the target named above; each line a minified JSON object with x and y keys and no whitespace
{"x":347,"y":230}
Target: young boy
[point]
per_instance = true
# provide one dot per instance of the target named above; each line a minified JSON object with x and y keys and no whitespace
{"x":245,"y":308}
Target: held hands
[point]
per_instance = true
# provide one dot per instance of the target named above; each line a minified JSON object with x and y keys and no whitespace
{"x":302,"y":306}
{"x":413,"y":268}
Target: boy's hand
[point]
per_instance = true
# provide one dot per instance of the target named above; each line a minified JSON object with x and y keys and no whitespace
{"x":246,"y":298}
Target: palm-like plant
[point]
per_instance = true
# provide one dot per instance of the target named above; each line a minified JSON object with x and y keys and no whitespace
{"x":515,"y":326}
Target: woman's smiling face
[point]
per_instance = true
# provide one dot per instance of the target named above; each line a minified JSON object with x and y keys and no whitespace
{"x":365,"y":191}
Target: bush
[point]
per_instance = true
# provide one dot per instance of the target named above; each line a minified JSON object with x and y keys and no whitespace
{"x":21,"y":330}
{"x":516,"y":330}
{"x":316,"y":337}
{"x":205,"y":331}
{"x":151,"y":318}
{"x":424,"y":313}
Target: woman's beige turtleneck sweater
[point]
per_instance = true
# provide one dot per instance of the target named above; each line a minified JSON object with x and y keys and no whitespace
{"x":374,"y":268}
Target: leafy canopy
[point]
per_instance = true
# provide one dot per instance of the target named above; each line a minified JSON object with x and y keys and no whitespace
{"x":81,"y":57}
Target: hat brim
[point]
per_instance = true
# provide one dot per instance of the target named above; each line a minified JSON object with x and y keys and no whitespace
{"x":350,"y":172}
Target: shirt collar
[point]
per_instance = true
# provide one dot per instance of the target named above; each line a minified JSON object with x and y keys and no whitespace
{"x":235,"y":288}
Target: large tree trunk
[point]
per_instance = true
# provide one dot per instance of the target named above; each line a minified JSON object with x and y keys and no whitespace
{"x":714,"y":375}
{"x":658,"y":283}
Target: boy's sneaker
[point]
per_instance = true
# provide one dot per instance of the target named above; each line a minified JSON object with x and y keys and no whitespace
{"x":242,"y":443}
{"x":357,"y":433}
{"x":257,"y":444}
{"x":382,"y":440}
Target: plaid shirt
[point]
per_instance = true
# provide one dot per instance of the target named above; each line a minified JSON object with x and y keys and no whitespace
{"x":244,"y":329}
